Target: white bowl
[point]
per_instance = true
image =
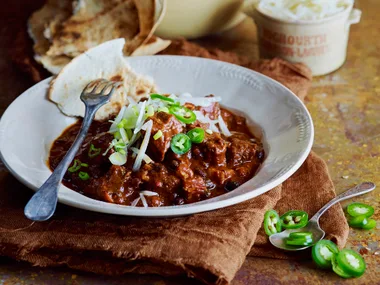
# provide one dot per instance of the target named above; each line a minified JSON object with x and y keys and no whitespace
{"x":31,"y":123}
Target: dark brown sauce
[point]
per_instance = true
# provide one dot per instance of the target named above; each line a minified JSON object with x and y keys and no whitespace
{"x":216,"y":166}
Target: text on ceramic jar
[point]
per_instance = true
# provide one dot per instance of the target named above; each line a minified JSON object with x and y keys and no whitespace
{"x":289,"y":45}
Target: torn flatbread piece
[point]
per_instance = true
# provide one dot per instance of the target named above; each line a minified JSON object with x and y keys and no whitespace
{"x":64,"y":29}
{"x":104,"y":61}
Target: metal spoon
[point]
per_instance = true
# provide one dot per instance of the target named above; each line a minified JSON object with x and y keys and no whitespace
{"x":43,"y":203}
{"x":278,"y":240}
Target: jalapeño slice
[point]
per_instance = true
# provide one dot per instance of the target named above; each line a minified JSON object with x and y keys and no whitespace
{"x":359,"y":209}
{"x":196,"y":135}
{"x":161,"y":97}
{"x":370,"y":225}
{"x":298,"y":241}
{"x":337,"y":269}
{"x":358,"y":222}
{"x":301,"y":235}
{"x":294,"y":219}
{"x":322,"y":253}
{"x":180,"y":144}
{"x":183,"y":114}
{"x":272,"y":222}
{"x":351,"y":262}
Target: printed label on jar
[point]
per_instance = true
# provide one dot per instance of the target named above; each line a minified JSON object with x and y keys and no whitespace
{"x":294,"y":46}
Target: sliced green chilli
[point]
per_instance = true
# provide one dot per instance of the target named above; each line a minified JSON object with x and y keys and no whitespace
{"x":305,"y":235}
{"x":272,"y":222}
{"x":196,"y":135}
{"x":337,"y":269}
{"x":370,"y":225}
{"x":351,"y":262}
{"x":298,"y":242}
{"x":180,"y":144}
{"x":358,"y":221}
{"x":294,"y":219}
{"x":162,"y":98}
{"x":183,"y":114}
{"x":322,"y":253}
{"x":359,"y":209}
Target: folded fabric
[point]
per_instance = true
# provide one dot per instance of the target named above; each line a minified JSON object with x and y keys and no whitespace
{"x":209,"y":246}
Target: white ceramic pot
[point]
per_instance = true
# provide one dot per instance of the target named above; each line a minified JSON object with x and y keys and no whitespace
{"x":197,"y":18}
{"x":321,"y":44}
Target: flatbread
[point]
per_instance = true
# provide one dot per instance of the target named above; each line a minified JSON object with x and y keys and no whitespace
{"x":64,"y":29}
{"x":104,"y":61}
{"x":152,"y":46}
{"x":52,"y":12}
{"x":76,"y":37}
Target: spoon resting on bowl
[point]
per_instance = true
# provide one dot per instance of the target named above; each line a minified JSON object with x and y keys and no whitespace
{"x":278,"y":240}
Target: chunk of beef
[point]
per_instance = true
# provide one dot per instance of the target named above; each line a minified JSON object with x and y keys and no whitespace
{"x":157,"y":178}
{"x":234,"y":122}
{"x":169,"y":126}
{"x":241,"y":151}
{"x":114,"y":187}
{"x":214,"y":149}
{"x":220,"y":175}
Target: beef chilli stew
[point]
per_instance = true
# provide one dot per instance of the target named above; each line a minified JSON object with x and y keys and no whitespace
{"x":161,"y":152}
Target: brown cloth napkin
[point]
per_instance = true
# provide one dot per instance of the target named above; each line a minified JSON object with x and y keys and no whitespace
{"x":209,"y":246}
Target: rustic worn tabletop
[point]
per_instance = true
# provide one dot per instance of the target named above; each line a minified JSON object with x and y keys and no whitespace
{"x":345,"y":106}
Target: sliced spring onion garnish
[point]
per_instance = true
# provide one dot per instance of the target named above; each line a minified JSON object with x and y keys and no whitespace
{"x":149,"y":193}
{"x":223,"y":127}
{"x":135,"y":202}
{"x":93,"y":151}
{"x":123,"y":135}
{"x":146,"y":158}
{"x":149,"y":111}
{"x":84,"y":164}
{"x":157,"y":135}
{"x":139,"y":121}
{"x":76,"y":166}
{"x":117,"y":120}
{"x":118,"y":158}
{"x":143,"y":200}
{"x":84,"y":175}
{"x":144,"y":145}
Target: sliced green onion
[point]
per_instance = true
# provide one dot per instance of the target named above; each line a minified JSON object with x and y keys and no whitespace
{"x":117,"y":135}
{"x":149,"y":111}
{"x":76,"y":166}
{"x":123,"y":135}
{"x":93,"y":151}
{"x":84,"y":175}
{"x":84,"y":164}
{"x":118,"y":158}
{"x":158,"y":135}
{"x":129,"y":133}
{"x":122,"y":151}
